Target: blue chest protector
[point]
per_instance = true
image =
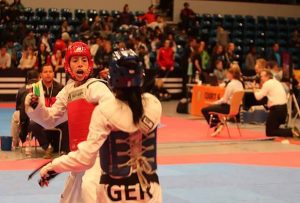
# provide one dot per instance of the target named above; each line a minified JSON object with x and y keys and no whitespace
{"x":122,"y":153}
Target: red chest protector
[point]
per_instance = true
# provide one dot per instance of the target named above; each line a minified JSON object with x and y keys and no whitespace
{"x":79,"y":117}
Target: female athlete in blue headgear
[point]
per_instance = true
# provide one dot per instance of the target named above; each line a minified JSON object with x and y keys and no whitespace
{"x":123,"y":131}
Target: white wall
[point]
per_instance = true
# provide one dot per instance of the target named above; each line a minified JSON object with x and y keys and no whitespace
{"x":235,"y":8}
{"x":134,"y":5}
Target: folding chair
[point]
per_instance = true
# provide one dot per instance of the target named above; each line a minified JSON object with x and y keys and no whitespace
{"x":236,"y":102}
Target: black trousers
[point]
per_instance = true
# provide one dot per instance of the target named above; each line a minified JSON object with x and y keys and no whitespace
{"x":219,"y":108}
{"x":45,"y":139}
{"x":276,"y":117}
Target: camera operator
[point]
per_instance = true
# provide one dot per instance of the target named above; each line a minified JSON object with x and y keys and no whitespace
{"x":277,"y":103}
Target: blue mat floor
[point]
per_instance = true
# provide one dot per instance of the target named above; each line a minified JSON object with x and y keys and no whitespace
{"x":195,"y":183}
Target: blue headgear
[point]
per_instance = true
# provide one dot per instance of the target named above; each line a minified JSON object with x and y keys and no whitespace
{"x":125,"y":69}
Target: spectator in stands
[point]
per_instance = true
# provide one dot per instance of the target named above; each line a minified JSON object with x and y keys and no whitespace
{"x":103,"y":55}
{"x":5,"y":58}
{"x":219,"y":71}
{"x":107,"y":30}
{"x":29,"y":40}
{"x":45,"y":40}
{"x":277,"y":103}
{"x":20,"y":120}
{"x":275,"y":70}
{"x":96,"y":26}
{"x":222,"y":36}
{"x":275,"y":54}
{"x":94,"y":47}
{"x":251,"y":59}
{"x":126,"y":18}
{"x":149,"y":17}
{"x":58,"y":61}
{"x":84,"y":29}
{"x":43,"y":56}
{"x":260,"y":65}
{"x":63,"y":43}
{"x":187,"y":16}
{"x":170,"y":37}
{"x":11,"y":50}
{"x":49,"y":88}
{"x":223,"y":104}
{"x":217,"y":54}
{"x":17,"y":8}
{"x":230,"y":56}
{"x":205,"y":58}
{"x":165,"y":58}
{"x":65,"y":27}
{"x":295,"y":41}
{"x":28,"y":59}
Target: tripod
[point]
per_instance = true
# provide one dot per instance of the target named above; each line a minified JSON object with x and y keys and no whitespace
{"x":292,"y":101}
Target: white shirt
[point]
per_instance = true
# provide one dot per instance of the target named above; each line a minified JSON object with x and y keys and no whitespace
{"x":274,"y":90}
{"x":232,"y":87}
{"x":5,"y":61}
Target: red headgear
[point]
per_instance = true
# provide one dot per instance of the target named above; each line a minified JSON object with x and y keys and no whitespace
{"x":78,"y":49}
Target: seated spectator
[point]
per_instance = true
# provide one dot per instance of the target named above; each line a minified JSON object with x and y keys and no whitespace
{"x":28,"y":59}
{"x":275,"y":54}
{"x":251,"y":59}
{"x":260,"y":65}
{"x":222,"y":36}
{"x":277,"y":103}
{"x":165,"y":58}
{"x":230,"y":56}
{"x":187,"y":16}
{"x":103,"y":55}
{"x":17,"y":5}
{"x":97,"y":45}
{"x":20,"y":121}
{"x":63,"y":43}
{"x":49,"y":88}
{"x":58,"y":61}
{"x":45,"y":40}
{"x":275,"y":70}
{"x":96,"y":26}
{"x":84,"y":29}
{"x":217,"y":54}
{"x":223,"y":104}
{"x":219,"y":71}
{"x":295,"y":41}
{"x":5,"y":58}
{"x":126,"y":18}
{"x":150,"y":17}
{"x":65,"y":27}
{"x":43,"y":56}
{"x":11,"y":50}
{"x":29,"y":40}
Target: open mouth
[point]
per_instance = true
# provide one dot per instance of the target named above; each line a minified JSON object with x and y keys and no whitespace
{"x":79,"y":72}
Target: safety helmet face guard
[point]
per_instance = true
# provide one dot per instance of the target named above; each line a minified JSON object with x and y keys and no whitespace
{"x":78,"y":49}
{"x":125,"y":69}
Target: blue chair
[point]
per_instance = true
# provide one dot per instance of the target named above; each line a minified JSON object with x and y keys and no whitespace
{"x":228,"y":18}
{"x":53,"y":12}
{"x":227,"y":25}
{"x":35,"y":20}
{"x":270,"y":34}
{"x":66,"y":13}
{"x":248,"y":41}
{"x":48,"y":20}
{"x":40,"y":12}
{"x":281,"y":21}
{"x":249,"y":19}
{"x":207,"y":17}
{"x":104,"y":13}
{"x":218,"y":18}
{"x":291,"y":21}
{"x":59,"y":20}
{"x":261,"y":20}
{"x":239,"y":18}
{"x":74,"y":22}
{"x":270,"y":42}
{"x":249,"y":26}
{"x":28,"y":12}
{"x":80,"y":14}
{"x":55,"y":30}
{"x":259,"y":42}
{"x":249,"y":34}
{"x":91,"y":13}
{"x":115,"y":13}
{"x":41,"y":29}
{"x":271,"y":20}
{"x":282,"y":42}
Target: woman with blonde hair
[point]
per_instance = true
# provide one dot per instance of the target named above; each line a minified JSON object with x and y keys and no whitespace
{"x":223,"y":104}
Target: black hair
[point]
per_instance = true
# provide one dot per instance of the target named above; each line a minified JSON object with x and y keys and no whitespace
{"x":32,"y":76}
{"x":133,"y":96}
{"x":41,"y":67}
